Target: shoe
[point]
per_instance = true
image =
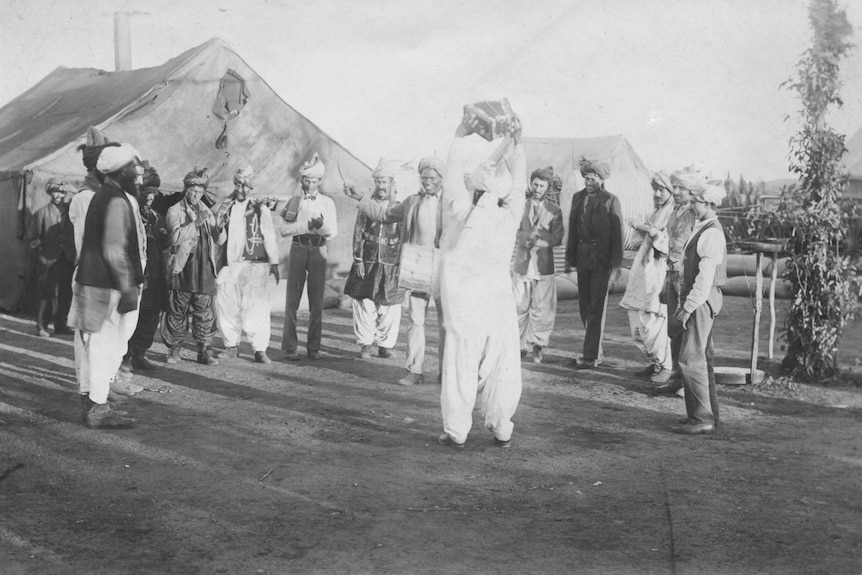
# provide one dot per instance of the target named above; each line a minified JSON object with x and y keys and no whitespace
{"x":365,"y":352}
{"x":313,"y":355}
{"x":662,"y":376}
{"x":684,"y":421}
{"x":587,"y":364}
{"x":646,"y":372}
{"x":101,"y":416}
{"x":116,"y":398}
{"x":205,"y":355}
{"x":43,"y":332}
{"x":127,"y":388}
{"x":141,"y":362}
{"x":412,"y":379}
{"x":502,"y":444}
{"x":676,"y":375}
{"x":385,"y":352}
{"x":261,"y":357}
{"x":669,"y":388}
{"x":537,"y":354}
{"x":291,"y":356}
{"x":64,"y":331}
{"x":218,"y":354}
{"x":126,"y":365}
{"x":447,"y":440}
{"x":692,"y":428}
{"x":173,"y":355}
{"x":87,"y":405}
{"x":232,"y":353}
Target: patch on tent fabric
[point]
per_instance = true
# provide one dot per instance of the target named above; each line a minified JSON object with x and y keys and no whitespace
{"x":232,"y":96}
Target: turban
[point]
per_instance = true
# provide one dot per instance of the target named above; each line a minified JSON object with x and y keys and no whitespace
{"x":557,"y":184}
{"x":55,"y":184}
{"x":151,"y":178}
{"x":433,"y":163}
{"x":90,"y":154}
{"x":113,"y":158}
{"x":485,"y":177}
{"x":243,"y":175}
{"x":691,"y":181}
{"x":385,"y":169}
{"x":313,"y":168}
{"x":546,"y":174}
{"x":601,"y":169}
{"x":197,"y":177}
{"x":711,"y":194}
{"x":661,"y":180}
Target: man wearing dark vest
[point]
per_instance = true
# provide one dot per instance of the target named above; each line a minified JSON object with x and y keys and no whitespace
{"x":595,"y":250}
{"x":107,"y":284}
{"x":704,"y":271}
{"x":310,"y":219}
{"x":533,"y":281}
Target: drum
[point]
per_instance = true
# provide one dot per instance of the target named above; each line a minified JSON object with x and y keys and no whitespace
{"x":418,"y":265}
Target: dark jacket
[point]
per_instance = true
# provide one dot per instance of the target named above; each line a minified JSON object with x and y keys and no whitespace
{"x":549,"y":228}
{"x":110,"y":255}
{"x":602,"y":228}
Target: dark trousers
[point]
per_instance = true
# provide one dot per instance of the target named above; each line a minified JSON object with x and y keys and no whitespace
{"x":674,"y":327}
{"x":593,"y":281}
{"x":58,"y":277}
{"x":305,"y":263}
{"x":145,"y":331}
{"x":183,"y":307}
{"x":696,"y":363}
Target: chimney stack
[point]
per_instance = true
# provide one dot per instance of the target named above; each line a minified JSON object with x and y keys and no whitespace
{"x":122,"y":42}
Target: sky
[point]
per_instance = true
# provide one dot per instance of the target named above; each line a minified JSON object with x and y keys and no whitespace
{"x":687,"y":82}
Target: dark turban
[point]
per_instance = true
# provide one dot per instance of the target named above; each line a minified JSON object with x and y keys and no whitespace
{"x":600,"y":169}
{"x":55,"y":184}
{"x":546,"y":174}
{"x":90,"y":154}
{"x":197,"y":177}
{"x":151,"y":178}
{"x":435,"y":164}
{"x":557,"y":184}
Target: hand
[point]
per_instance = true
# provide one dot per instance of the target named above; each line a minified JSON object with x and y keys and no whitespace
{"x":352,"y":192}
{"x":35,"y":244}
{"x":682,"y":316}
{"x":316,"y":223}
{"x":360,"y":269}
{"x":467,"y":126}
{"x":273,"y":271}
{"x":128,"y":300}
{"x":163,"y":232}
{"x":616,"y":273}
{"x":516,"y":130}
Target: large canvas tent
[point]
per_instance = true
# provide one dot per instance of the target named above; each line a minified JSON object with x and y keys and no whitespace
{"x":629,"y":180}
{"x":205,"y":107}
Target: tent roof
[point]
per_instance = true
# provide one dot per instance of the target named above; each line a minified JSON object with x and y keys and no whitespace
{"x":564,"y":152}
{"x":67,"y":101}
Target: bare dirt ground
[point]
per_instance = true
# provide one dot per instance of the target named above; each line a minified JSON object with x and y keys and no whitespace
{"x":330,"y":467}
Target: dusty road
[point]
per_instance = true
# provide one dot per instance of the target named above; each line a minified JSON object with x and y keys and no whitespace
{"x":329,"y":467}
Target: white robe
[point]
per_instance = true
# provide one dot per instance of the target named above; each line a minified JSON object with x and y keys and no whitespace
{"x":482,"y":336}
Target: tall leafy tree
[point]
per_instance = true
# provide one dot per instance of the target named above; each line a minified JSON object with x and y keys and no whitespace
{"x":822,"y":279}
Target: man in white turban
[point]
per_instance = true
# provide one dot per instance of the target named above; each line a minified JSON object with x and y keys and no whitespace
{"x":482,"y":336}
{"x":704,"y":271}
{"x":421,"y":219}
{"x":250,"y":258}
{"x":373,"y":279}
{"x":108,"y":284}
{"x":310,"y":219}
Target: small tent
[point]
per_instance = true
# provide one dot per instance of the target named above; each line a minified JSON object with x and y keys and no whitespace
{"x":205,"y":107}
{"x":629,"y":180}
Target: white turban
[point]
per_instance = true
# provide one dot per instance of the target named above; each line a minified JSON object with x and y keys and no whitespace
{"x":313,"y":168}
{"x":433,"y":163}
{"x":711,"y":194}
{"x":485,"y":177}
{"x":691,"y":181}
{"x":115,"y":157}
{"x":386,"y":169}
{"x":243,"y":175}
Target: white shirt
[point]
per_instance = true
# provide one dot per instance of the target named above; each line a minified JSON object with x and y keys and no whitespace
{"x":426,"y":220}
{"x":78,"y":215}
{"x":308,"y":210}
{"x":711,"y":247}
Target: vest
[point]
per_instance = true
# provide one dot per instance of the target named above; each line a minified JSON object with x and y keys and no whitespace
{"x":691,"y":265}
{"x":92,"y":268}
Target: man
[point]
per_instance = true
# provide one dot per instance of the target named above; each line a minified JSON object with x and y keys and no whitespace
{"x":704,"y":271}
{"x":311,"y":219}
{"x":154,"y":298}
{"x":192,"y":265}
{"x":107,"y":284}
{"x":482,"y":354}
{"x":373,"y":279}
{"x":421,"y":218}
{"x":595,"y":250}
{"x":533,"y":282}
{"x":642,"y":299}
{"x":251,"y":257}
{"x":52,"y":238}
{"x":679,"y":227}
